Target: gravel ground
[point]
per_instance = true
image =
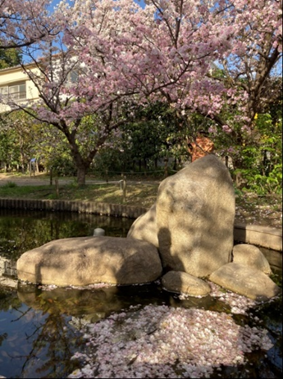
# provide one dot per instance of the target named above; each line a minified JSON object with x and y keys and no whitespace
{"x":265,"y":211}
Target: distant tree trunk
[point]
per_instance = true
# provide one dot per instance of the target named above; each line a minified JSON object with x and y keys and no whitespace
{"x":144,"y":164}
{"x":165,"y":167}
{"x":237,"y":163}
{"x":81,"y":174}
{"x":155,"y":163}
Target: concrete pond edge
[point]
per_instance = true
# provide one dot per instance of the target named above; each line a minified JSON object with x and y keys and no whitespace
{"x":264,"y":236}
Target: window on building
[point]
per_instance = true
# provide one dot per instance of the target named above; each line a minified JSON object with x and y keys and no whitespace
{"x":4,"y":91}
{"x":15,"y":91}
{"x":73,"y":77}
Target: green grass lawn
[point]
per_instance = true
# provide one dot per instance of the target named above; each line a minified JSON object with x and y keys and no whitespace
{"x":140,"y":194}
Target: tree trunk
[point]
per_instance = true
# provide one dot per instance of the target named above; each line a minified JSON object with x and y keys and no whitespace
{"x":81,"y":164}
{"x":81,"y":174}
{"x":165,"y":167}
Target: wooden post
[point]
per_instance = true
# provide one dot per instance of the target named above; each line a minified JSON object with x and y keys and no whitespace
{"x":51,"y":177}
{"x":57,"y":187}
{"x":123,"y":187}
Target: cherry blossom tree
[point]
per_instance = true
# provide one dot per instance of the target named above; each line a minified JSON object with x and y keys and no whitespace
{"x":250,"y":71}
{"x":256,"y":55}
{"x":113,"y":55}
{"x":24,"y":22}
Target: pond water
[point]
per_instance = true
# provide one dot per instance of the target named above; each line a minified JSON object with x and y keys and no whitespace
{"x":41,"y":329}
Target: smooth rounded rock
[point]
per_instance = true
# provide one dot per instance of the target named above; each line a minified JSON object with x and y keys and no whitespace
{"x":183,"y":283}
{"x":251,"y":256}
{"x":88,"y":260}
{"x":247,"y":281}
{"x":144,"y":227}
{"x":99,"y":232}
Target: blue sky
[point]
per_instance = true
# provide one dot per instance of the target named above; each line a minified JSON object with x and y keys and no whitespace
{"x":55,"y":2}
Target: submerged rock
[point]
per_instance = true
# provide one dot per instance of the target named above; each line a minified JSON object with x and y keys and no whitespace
{"x":183,"y":283}
{"x":87,"y":260}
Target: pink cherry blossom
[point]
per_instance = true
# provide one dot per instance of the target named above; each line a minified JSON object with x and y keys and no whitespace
{"x":124,"y":54}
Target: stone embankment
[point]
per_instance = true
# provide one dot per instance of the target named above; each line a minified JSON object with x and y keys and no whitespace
{"x":116,"y":210}
{"x":270,"y":238}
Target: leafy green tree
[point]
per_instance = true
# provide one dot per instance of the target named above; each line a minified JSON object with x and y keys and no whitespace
{"x":18,"y":135}
{"x":255,"y":159}
{"x":22,"y":138}
{"x":155,"y":132}
{"x":263,"y":160}
{"x":9,"y":152}
{"x":10,"y":58}
{"x":152,"y":135}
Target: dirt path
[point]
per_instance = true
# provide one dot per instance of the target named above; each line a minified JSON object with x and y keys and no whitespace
{"x":23,"y":180}
{"x":43,"y":180}
{"x":39,"y":180}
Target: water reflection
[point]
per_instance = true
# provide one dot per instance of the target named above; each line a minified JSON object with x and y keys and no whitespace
{"x":39,"y":328}
{"x":35,"y":342}
{"x":21,"y":231}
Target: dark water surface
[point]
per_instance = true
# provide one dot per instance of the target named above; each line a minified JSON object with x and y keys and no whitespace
{"x":38,"y":327}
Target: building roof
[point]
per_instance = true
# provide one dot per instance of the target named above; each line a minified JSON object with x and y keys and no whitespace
{"x":14,"y":68}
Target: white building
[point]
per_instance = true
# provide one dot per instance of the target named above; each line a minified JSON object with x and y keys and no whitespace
{"x":15,"y":85}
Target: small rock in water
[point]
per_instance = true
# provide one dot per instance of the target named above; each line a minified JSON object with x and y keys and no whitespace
{"x":98,"y":232}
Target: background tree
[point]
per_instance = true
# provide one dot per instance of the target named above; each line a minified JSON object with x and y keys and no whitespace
{"x":10,"y":58}
{"x":19,"y":135}
{"x":9,"y":152}
{"x":251,"y":69}
{"x":154,"y":134}
{"x":23,"y":138}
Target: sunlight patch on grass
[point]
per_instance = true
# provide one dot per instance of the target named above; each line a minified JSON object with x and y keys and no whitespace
{"x":136,"y":194}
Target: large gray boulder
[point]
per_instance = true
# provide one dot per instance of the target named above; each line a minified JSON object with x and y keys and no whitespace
{"x":144,"y":227}
{"x":88,"y":260}
{"x":247,"y":281}
{"x":195,"y":211}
